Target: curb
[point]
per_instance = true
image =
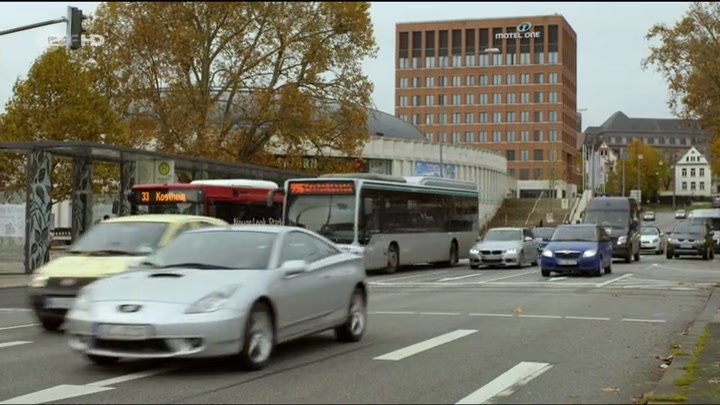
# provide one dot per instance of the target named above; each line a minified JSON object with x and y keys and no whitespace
{"x":666,"y":387}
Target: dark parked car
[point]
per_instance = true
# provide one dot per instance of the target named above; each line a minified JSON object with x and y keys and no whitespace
{"x":543,"y":236}
{"x":691,"y":238}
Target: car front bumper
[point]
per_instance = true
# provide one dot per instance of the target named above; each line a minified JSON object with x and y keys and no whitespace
{"x":650,"y":246}
{"x":494,"y":260}
{"x":168,"y":332}
{"x":684,"y":250}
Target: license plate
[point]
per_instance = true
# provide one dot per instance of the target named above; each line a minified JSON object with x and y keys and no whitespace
{"x":59,"y":302}
{"x":567,"y":262}
{"x":121,"y":332}
{"x":686,"y":246}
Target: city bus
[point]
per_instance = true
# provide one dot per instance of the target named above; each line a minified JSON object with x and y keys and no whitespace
{"x":237,"y":201}
{"x":392,"y":221}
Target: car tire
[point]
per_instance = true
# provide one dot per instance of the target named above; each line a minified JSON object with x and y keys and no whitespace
{"x":354,"y":327}
{"x":258,"y":338}
{"x":103,"y":361}
{"x":705,"y":255}
{"x":545,"y":273}
{"x":393,"y":259}
{"x":668,"y":254}
{"x":637,"y":255}
{"x":474,"y":267}
{"x":50,"y":324}
{"x":628,"y":257}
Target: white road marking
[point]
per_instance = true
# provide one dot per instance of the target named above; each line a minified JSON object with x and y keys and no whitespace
{"x":461,"y":277}
{"x":19,"y":326}
{"x":506,"y":277}
{"x":506,"y":383}
{"x":493,"y":315}
{"x":624,"y":276}
{"x":56,"y":393}
{"x":439,"y":313}
{"x":125,"y":378}
{"x":558,"y":278}
{"x":587,"y":318}
{"x":393,"y":312}
{"x":643,"y":320}
{"x":425,"y":345}
{"x":15,"y":310}
{"x":424,"y":274}
{"x":541,"y":316}
{"x":16,"y":343}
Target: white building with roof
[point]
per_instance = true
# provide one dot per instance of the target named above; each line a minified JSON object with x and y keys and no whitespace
{"x":693,"y":175}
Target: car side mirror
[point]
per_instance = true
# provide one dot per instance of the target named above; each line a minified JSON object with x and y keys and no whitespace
{"x":293,"y":268}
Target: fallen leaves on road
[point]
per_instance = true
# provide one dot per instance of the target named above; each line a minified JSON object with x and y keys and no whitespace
{"x":517,"y":311}
{"x":611,"y":389}
{"x":715,"y":380}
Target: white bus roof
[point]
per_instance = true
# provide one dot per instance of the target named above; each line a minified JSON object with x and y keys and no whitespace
{"x":261,"y":184}
{"x":428,"y":181}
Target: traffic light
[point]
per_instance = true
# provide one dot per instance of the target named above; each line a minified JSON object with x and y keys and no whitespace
{"x":75,"y":29}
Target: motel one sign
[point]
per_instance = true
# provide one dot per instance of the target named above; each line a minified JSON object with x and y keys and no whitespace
{"x":523,"y":30}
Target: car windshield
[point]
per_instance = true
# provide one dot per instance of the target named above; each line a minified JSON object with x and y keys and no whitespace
{"x":332,"y":216}
{"x":649,"y":231}
{"x":216,"y":249}
{"x":575,"y":234}
{"x":608,"y":219}
{"x":544,"y":233}
{"x":120,"y":238}
{"x":689,"y":227}
{"x":503,"y":235}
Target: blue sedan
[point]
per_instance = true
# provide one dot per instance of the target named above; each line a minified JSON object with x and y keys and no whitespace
{"x":583,"y":248}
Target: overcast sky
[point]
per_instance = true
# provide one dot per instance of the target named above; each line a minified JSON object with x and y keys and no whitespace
{"x":611,"y":45}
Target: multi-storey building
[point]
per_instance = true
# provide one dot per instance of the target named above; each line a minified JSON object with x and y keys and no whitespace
{"x":505,"y":84}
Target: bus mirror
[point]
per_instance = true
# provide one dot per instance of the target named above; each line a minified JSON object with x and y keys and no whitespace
{"x":116,"y":207}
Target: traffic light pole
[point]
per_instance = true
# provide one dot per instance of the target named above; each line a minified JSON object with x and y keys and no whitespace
{"x":36,"y":25}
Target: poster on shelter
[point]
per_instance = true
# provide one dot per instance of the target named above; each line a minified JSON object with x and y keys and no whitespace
{"x":12,"y":220}
{"x":433,"y":170}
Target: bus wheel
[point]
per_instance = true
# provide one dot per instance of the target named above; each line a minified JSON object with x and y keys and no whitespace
{"x":393,"y":259}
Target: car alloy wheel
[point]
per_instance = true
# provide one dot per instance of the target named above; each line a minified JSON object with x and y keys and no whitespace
{"x":261,"y":337}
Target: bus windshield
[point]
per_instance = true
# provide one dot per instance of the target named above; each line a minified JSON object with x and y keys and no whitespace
{"x":332,"y":216}
{"x":607,"y":219}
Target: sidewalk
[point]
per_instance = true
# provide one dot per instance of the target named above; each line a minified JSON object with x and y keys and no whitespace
{"x":693,"y":377}
{"x":14,"y":280}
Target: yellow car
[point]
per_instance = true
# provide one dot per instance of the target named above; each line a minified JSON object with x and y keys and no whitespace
{"x":105,"y":249}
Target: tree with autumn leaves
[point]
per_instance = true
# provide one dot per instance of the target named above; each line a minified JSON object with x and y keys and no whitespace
{"x":688,"y":56}
{"x":232,"y":81}
{"x":655,"y":172}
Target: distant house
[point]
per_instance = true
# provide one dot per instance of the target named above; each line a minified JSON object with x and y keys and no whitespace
{"x":693,"y":177}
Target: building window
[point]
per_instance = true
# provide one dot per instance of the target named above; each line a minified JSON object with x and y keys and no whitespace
{"x":510,"y":155}
{"x":470,"y":80}
{"x":553,"y":156}
{"x":456,"y":99}
{"x":416,"y":119}
{"x":429,"y":119}
{"x":484,"y":59}
{"x":539,"y":97}
{"x":444,"y":61}
{"x":430,"y":81}
{"x":483,"y":137}
{"x":416,"y":82}
{"x":429,"y":101}
{"x":457,"y":61}
{"x":497,"y":80}
{"x":416,"y":101}
{"x":430,"y":62}
{"x":525,"y":78}
{"x":469,"y":60}
{"x":511,"y":136}
{"x":443,"y":118}
{"x":692,"y":186}
{"x":404,"y":63}
{"x":469,"y":118}
{"x":497,"y":136}
{"x":483,"y":99}
{"x":524,"y":58}
{"x":524,"y":116}
{"x":497,"y":98}
{"x":469,"y":99}
{"x":456,"y":118}
{"x":403,"y":101}
{"x":511,"y":172}
{"x":553,"y":136}
{"x":553,"y":78}
{"x":470,"y":136}
{"x":539,"y":78}
{"x":702,"y":172}
{"x":692,"y":172}
{"x":403,"y":83}
{"x":538,"y":155}
{"x":553,"y":116}
{"x":525,"y":136}
{"x":524,"y":98}
{"x":524,"y":155}
{"x":702,"y":186}
{"x":537,"y":174}
{"x":538,"y":135}
{"x":511,"y":116}
{"x":497,"y":59}
{"x":416,"y":63}
{"x":510,"y":58}
{"x":442,"y":99}
{"x":483,"y":80}
{"x":483,"y":117}
{"x":497,"y":117}
{"x":684,"y":185}
{"x":539,"y":116}
{"x":443,"y":135}
{"x":511,"y":78}
{"x":456,"y":82}
{"x":510,"y":98}
{"x":403,"y":117}
{"x":539,"y":58}
{"x":553,"y":97}
{"x":553,"y":58}
{"x":684,"y":172}
{"x":456,"y":137}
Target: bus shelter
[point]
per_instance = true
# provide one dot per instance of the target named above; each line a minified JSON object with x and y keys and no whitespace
{"x":38,"y":200}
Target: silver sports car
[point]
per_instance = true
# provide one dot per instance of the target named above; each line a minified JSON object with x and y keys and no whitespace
{"x":231,"y":291}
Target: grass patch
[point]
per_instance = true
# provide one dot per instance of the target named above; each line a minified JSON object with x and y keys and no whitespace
{"x":677,"y":398}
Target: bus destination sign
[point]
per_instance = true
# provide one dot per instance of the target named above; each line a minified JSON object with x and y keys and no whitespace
{"x":312,"y":187}
{"x":165,"y":196}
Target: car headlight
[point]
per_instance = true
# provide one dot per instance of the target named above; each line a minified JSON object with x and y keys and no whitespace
{"x":474,"y":251}
{"x":590,"y":253}
{"x":511,"y":251}
{"x":213,"y":301}
{"x":39,"y":281}
{"x":622,"y":240}
{"x":547,"y":253}
{"x":654,"y":241}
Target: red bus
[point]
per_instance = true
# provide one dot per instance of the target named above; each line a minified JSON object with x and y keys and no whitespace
{"x":235,"y":201}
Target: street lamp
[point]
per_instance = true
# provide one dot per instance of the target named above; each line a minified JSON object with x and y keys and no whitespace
{"x":639,"y":159}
